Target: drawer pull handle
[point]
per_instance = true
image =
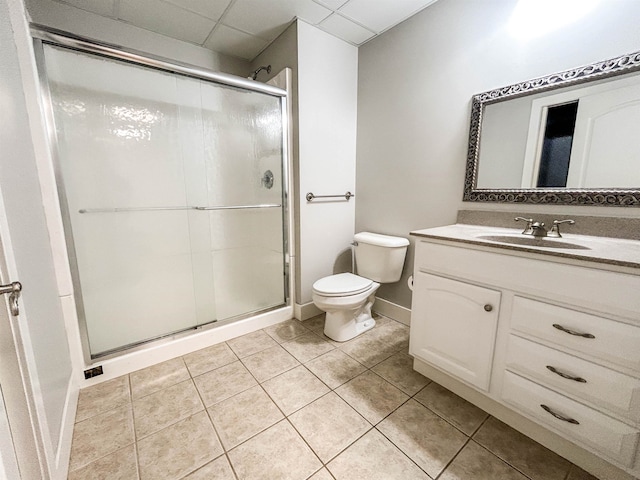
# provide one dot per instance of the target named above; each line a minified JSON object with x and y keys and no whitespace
{"x":558,"y":416}
{"x":488,"y":307}
{"x":565,"y":375}
{"x":573,"y":332}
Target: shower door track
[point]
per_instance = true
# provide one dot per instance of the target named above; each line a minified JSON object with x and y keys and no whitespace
{"x":46,"y":35}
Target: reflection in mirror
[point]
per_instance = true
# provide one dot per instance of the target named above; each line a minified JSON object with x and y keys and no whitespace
{"x":570,"y":137}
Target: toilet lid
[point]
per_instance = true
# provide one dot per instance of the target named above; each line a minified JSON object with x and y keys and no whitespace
{"x":341,"y":284}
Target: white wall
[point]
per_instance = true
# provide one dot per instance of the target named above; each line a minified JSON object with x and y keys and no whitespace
{"x":415,"y":84}
{"x":325,"y":91}
{"x":327,"y":88}
{"x":39,"y":331}
{"x":80,"y":22}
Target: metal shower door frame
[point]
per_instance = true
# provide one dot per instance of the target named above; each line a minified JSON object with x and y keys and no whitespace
{"x":45,"y":35}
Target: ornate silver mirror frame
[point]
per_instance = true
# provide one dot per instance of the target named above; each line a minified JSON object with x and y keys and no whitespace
{"x":561,"y":196}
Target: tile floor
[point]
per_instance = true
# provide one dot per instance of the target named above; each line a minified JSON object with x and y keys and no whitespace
{"x":286,"y":402}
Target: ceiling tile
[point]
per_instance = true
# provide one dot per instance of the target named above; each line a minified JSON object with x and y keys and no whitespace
{"x":167,"y":19}
{"x":212,"y":9}
{"x":233,"y":42}
{"x":332,"y":4}
{"x":346,"y":29}
{"x":268,"y":19}
{"x":379,"y":15}
{"x":101,"y":7}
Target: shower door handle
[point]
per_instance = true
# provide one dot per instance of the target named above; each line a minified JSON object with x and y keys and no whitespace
{"x":13,"y":289}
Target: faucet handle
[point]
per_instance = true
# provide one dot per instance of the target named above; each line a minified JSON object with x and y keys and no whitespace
{"x":528,"y":230}
{"x":555,"y":229}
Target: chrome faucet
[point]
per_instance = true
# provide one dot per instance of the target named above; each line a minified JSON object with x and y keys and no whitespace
{"x":555,"y":229}
{"x":535,"y":229}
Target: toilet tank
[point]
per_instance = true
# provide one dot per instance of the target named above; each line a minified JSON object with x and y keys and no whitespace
{"x":380,"y":257}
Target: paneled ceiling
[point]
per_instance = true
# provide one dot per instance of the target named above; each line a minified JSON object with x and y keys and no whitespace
{"x":243,"y":28}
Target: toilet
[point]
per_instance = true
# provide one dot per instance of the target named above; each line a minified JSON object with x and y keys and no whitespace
{"x":346,"y":297}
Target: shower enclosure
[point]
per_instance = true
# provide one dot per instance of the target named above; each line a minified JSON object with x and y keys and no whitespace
{"x":173,"y":189}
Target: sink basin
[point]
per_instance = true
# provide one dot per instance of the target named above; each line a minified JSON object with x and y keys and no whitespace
{"x":528,"y":241}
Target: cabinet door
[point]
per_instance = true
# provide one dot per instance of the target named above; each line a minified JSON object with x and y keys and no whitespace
{"x":453,"y":327}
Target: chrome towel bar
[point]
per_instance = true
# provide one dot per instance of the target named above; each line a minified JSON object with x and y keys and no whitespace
{"x":152,"y":209}
{"x":310,"y":196}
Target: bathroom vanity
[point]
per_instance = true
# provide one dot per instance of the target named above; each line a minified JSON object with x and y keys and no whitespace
{"x":544,"y":334}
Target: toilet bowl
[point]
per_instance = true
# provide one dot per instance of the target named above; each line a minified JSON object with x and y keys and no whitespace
{"x":347,"y":299}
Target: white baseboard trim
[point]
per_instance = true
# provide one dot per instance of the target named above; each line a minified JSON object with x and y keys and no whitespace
{"x":392,"y":310}
{"x":164,"y":350}
{"x":306,"y":311}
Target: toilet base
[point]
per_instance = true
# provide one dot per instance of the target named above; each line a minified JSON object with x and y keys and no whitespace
{"x":343,"y":325}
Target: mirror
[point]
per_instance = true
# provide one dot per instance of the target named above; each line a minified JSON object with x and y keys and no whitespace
{"x":566,"y":138}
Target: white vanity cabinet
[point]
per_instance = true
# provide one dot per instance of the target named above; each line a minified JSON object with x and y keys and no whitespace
{"x":559,"y":344}
{"x":455,"y":326}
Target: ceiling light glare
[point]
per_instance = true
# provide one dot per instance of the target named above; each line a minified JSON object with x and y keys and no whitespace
{"x":535,"y":18}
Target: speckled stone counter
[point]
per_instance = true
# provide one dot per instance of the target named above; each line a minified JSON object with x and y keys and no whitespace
{"x":610,"y":251}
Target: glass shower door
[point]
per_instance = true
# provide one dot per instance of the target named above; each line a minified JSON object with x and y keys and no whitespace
{"x":170,"y":220}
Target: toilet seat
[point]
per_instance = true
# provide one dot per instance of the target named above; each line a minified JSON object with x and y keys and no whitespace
{"x":342,"y":284}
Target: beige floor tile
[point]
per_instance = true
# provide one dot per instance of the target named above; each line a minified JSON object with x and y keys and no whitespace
{"x":219,"y":469}
{"x":335,"y":368}
{"x":119,"y":465}
{"x":244,"y":415}
{"x":179,"y":449}
{"x":209,"y":359}
{"x":474,"y":462}
{"x":307,"y":347}
{"x":315,"y":324}
{"x":394,"y":334}
{"x":158,"y":377}
{"x":101,"y":435}
{"x":277,"y":453}
{"x":166,"y":407}
{"x":294,"y":389}
{"x":462,"y":414}
{"x":372,"y":396}
{"x":368,"y":350}
{"x":224,"y":382}
{"x":321,"y":475}
{"x":577,"y":473}
{"x":285,"y":331}
{"x":529,"y":457}
{"x":398,"y":370}
{"x":329,"y":425}
{"x":373,"y":457}
{"x":251,"y":343}
{"x":269,"y":363}
{"x":423,"y":436}
{"x":103,"y":397}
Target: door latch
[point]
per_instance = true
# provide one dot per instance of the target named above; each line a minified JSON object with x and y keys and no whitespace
{"x":13,"y":289}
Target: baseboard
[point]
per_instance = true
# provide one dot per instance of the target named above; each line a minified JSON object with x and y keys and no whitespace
{"x":306,"y":311}
{"x":392,"y":310}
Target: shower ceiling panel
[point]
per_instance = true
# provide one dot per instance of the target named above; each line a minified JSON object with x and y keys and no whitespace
{"x":243,"y":28}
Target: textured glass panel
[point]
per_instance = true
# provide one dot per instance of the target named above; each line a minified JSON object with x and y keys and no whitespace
{"x":139,"y":149}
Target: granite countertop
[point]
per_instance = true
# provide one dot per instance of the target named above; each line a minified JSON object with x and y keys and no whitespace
{"x":612,"y":251}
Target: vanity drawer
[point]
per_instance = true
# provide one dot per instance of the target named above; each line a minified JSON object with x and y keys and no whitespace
{"x":607,"y":339}
{"x":610,"y":437}
{"x":600,"y":385}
